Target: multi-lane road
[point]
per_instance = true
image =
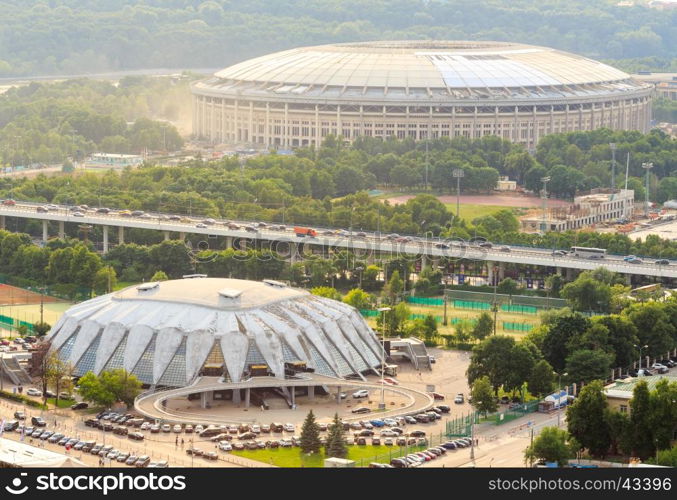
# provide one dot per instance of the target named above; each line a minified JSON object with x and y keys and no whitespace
{"x":283,"y":239}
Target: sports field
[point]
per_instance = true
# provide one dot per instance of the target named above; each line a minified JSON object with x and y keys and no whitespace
{"x":31,"y":312}
{"x":18,"y":304}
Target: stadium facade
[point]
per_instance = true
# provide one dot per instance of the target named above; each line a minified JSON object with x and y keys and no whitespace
{"x":415,"y":89}
{"x":172,"y":332}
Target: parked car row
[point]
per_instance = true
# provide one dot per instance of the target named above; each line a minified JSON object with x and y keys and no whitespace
{"x":419,"y":458}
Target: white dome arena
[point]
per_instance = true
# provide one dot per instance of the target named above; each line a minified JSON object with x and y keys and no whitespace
{"x":169,"y":333}
{"x":415,"y":89}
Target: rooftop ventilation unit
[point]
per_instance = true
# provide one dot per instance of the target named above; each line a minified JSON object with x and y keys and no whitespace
{"x":189,"y":276}
{"x":230,"y":293}
{"x":148,"y":286}
{"x":274,"y":283}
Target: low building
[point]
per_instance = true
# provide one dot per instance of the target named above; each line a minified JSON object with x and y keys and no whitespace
{"x":588,"y":210}
{"x":505,"y":184}
{"x":113,"y":160}
{"x":619,"y":394}
{"x":18,"y":454}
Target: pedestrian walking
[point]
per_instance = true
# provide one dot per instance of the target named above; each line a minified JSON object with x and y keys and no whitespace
{"x":181,"y":443}
{"x":177,"y":441}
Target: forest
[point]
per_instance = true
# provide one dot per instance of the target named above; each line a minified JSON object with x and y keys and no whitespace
{"x":49,"y":37}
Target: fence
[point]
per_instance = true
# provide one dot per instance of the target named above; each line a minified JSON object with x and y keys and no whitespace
{"x":516,"y":412}
{"x":14,"y":324}
{"x":518,"y":308}
{"x":461,"y":426}
{"x":524,"y":300}
{"x":469,"y":304}
{"x":517,"y":327}
{"x":425,"y":301}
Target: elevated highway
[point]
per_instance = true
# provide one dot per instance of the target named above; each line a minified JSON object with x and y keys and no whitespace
{"x":367,"y":244}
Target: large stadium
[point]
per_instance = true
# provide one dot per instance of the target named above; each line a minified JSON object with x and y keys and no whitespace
{"x":417,"y":89}
{"x":171,"y":333}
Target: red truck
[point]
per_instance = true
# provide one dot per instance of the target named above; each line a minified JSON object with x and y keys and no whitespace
{"x":305,"y":231}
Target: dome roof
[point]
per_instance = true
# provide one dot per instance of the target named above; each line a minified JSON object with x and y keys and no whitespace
{"x":167,"y":332}
{"x":432,"y":67}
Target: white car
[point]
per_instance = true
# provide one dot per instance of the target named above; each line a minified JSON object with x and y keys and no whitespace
{"x":256,"y":429}
{"x":225,"y":446}
{"x":177,"y":428}
{"x":145,"y":426}
{"x":363,"y":393}
{"x":166,"y":427}
{"x":660,"y":368}
{"x":289,"y":427}
{"x":390,"y":422}
{"x":199,"y":428}
{"x":33,"y":392}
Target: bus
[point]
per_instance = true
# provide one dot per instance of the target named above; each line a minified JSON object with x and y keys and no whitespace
{"x":588,"y":253}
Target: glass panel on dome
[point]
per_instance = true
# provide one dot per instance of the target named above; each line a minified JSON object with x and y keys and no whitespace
{"x":117,"y":358}
{"x":87,"y":360}
{"x":321,"y":366}
{"x":67,"y":347}
{"x":215,"y":364}
{"x":175,"y":373}
{"x":144,"y":367}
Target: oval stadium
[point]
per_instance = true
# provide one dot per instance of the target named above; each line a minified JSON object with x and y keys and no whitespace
{"x":415,"y":89}
{"x":172,"y":333}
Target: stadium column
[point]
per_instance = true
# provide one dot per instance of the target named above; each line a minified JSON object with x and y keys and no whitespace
{"x":62,"y":231}
{"x":45,"y":232}
{"x":236,"y":396}
{"x":121,"y":235}
{"x":166,"y":233}
{"x":247,"y":394}
{"x":311,"y":392}
{"x":105,"y":239}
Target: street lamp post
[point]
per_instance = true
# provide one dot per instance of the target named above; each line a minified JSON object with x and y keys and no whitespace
{"x":647,"y":166}
{"x":544,"y":194}
{"x":383,"y":310}
{"x":559,"y":397}
{"x":640,"y":354}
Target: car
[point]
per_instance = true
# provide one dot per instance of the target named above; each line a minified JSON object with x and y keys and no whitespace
{"x":137,"y":213}
{"x":449,"y":445}
{"x":390,"y":422}
{"x":636,"y":261}
{"x":668,"y":362}
{"x":422,"y":418}
{"x":365,"y":433}
{"x":155,"y":428}
{"x":225,"y":446}
{"x":200,"y":225}
{"x":246,"y":435}
{"x":444,"y":408}
{"x":142,"y":461}
{"x":660,"y":368}
{"x":46,"y":435}
{"x":289,"y":427}
{"x":442,"y":246}
{"x":94,"y":450}
{"x":377,"y":423}
{"x":33,"y":392}
{"x":485,"y":244}
{"x":397,"y":430}
{"x":199,"y":428}
{"x":437,"y":396}
{"x":628,"y":258}
{"x":410,"y":420}
{"x":391,"y":381}
{"x":459,"y":399}
{"x":136,"y":436}
{"x":504,"y":249}
{"x":78,"y":446}
{"x":360,"y":441}
{"x":65,"y":395}
{"x":389,"y":433}
{"x":362,"y":393}
{"x":131,"y":459}
{"x":558,"y":253}
{"x":11,"y":425}
{"x":38,"y":421}
{"x":417,"y":433}
{"x":256,"y":429}
{"x":122,"y":457}
{"x":9,"y":203}
{"x":78,"y":214}
{"x":162,"y":464}
{"x":79,"y":406}
{"x":662,"y":262}
{"x":211,"y":455}
{"x":121,"y":431}
{"x":20,"y":415}
{"x":105,"y":450}
{"x":432,"y":360}
{"x":177,"y":428}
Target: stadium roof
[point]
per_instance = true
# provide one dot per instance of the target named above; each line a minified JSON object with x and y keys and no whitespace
{"x":412,"y":67}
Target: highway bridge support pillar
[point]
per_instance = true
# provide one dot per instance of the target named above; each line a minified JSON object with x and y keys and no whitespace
{"x":293,"y":251}
{"x":569,"y":274}
{"x":628,"y":279}
{"x":166,"y":233}
{"x":2,"y":222}
{"x":229,"y":242}
{"x":424,"y":261}
{"x":501,"y":271}
{"x":559,"y":271}
{"x":62,"y":231}
{"x":121,"y":235}
{"x":490,"y":272}
{"x":105,"y":239}
{"x":182,"y":236}
{"x":247,"y":394}
{"x":45,"y":230}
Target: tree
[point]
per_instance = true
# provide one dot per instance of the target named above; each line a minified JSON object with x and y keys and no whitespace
{"x":41,"y":328}
{"x":666,"y":458}
{"x":587,"y":294}
{"x":663,"y":413}
{"x":619,"y":432}
{"x":484,"y":326}
{"x":500,"y":358}
{"x":110,"y":386}
{"x":507,"y":286}
{"x":326,"y":291}
{"x":393,"y":288}
{"x":160,"y":276}
{"x":483,"y":398}
{"x":105,"y":280}
{"x":586,"y":419}
{"x":641,"y":421}
{"x":585,"y":365}
{"x":551,"y":445}
{"x":395,"y":319}
{"x":336,"y":444}
{"x":561,"y":328}
{"x":542,"y":379}
{"x":56,"y":374}
{"x":358,"y":298}
{"x":310,"y":435}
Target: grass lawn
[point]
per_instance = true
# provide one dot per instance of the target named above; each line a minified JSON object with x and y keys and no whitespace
{"x":292,"y":457}
{"x":63,"y":403}
{"x":471,"y":211}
